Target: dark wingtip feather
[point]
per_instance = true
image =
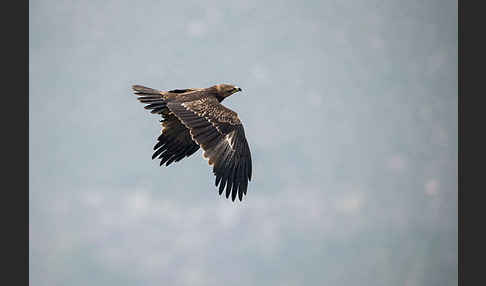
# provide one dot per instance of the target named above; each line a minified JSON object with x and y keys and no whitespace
{"x":156,"y":146}
{"x":233,"y":192}
{"x":218,"y":179}
{"x":221,"y":186}
{"x":228,"y":190}
{"x":157,"y":152}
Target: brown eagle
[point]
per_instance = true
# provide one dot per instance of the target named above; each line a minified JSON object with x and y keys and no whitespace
{"x":194,"y":118}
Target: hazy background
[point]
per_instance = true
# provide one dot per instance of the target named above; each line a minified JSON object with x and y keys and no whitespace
{"x":350,"y":110}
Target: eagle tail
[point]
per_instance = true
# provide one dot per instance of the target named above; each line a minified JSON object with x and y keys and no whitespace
{"x":152,"y":97}
{"x":142,"y":90}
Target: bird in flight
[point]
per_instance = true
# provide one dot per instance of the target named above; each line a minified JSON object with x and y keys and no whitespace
{"x":195,"y":117}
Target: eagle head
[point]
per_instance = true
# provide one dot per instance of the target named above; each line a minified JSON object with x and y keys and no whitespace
{"x":225,"y":90}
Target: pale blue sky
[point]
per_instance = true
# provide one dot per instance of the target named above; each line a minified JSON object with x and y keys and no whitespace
{"x":350,"y":110}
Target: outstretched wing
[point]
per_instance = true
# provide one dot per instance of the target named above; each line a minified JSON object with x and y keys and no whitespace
{"x":175,"y":142}
{"x":220,"y":134}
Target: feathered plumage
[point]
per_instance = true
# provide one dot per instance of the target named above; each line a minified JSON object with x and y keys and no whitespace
{"x":194,"y":118}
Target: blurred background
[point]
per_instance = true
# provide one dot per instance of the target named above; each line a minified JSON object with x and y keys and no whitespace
{"x":350,"y":110}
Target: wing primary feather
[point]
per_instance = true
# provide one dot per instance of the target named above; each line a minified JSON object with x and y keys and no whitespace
{"x":171,"y":160}
{"x":230,"y":182}
{"x":193,"y":150}
{"x":226,"y":167}
{"x":235,"y":183}
{"x":159,"y":143}
{"x":244,"y":182}
{"x":181,"y":154}
{"x":154,"y":105}
{"x":239,"y":178}
{"x":248,"y":168}
{"x":149,"y":99}
{"x":229,"y":185}
{"x":157,"y":110}
{"x":163,"y":160}
{"x":157,"y":153}
{"x":221,"y":187}
{"x":173,"y":155}
{"x":217,"y":180}
{"x":218,"y":163}
{"x":224,"y":177}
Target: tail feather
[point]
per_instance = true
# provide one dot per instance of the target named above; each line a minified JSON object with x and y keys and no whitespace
{"x":152,"y":97}
{"x":140,"y":89}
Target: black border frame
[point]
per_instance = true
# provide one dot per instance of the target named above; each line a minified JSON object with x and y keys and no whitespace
{"x":470,"y":78}
{"x":15,"y":132}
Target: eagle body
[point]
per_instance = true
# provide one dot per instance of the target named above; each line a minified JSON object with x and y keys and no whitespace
{"x":194,"y":118}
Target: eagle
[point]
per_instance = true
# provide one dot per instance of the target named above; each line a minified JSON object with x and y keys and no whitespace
{"x":194,"y":118}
